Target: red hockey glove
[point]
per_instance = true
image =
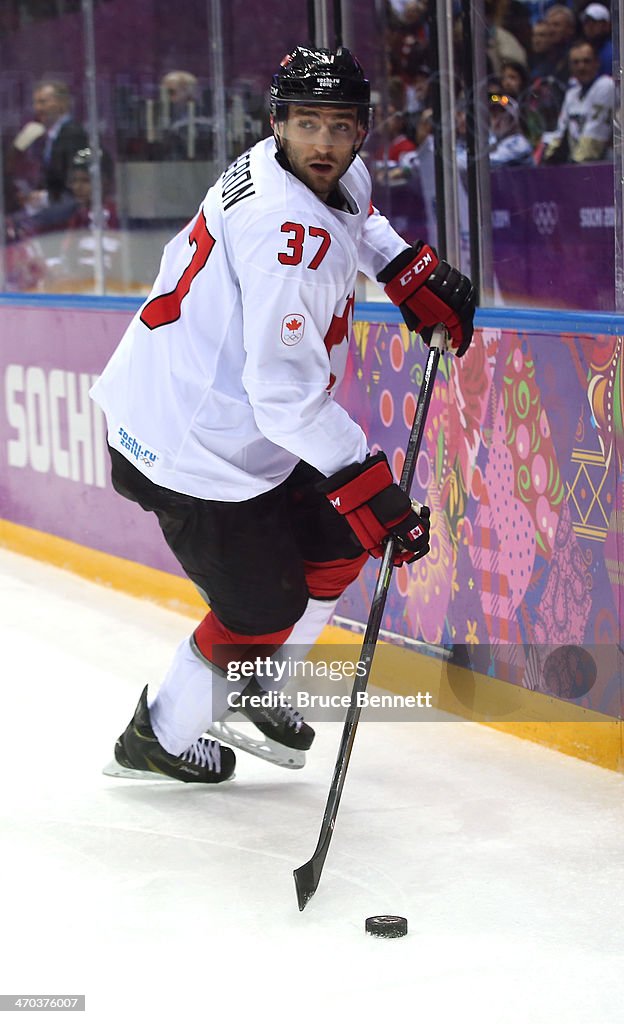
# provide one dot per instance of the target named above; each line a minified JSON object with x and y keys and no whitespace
{"x":376,"y":507}
{"x":429,"y":291}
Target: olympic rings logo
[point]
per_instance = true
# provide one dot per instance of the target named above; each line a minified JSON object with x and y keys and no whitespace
{"x":545,"y":217}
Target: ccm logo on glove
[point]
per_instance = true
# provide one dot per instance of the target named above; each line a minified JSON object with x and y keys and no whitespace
{"x":429,"y":291}
{"x":417,"y":268}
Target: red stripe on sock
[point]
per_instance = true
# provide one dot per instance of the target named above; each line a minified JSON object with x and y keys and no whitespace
{"x":221,"y":645}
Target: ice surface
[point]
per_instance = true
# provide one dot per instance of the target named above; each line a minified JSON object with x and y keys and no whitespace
{"x":174,"y":903}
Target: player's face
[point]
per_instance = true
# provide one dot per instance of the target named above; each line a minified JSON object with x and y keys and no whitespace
{"x":319,"y":143}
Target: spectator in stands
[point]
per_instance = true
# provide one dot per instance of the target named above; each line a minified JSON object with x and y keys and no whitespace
{"x":75,"y":263}
{"x":186,"y":133}
{"x":562,"y":23}
{"x":514,"y":78}
{"x":501,"y":44}
{"x":180,"y":87}
{"x":389,"y":139}
{"x":541,"y":107}
{"x":410,"y":13}
{"x":63,"y":137}
{"x":509,"y":146}
{"x":596,"y":29}
{"x":47,"y":146}
{"x":585,"y":127}
{"x":515,"y":83}
{"x":518,"y":21}
{"x":542,"y":38}
{"x":407,"y":36}
{"x":396,"y":140}
{"x":416,"y":80}
{"x":545,"y":54}
{"x":418,"y":169}
{"x":549,"y":77}
{"x":81,"y":187}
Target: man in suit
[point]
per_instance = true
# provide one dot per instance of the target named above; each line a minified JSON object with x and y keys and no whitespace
{"x":63,"y":137}
{"x":40,"y":162}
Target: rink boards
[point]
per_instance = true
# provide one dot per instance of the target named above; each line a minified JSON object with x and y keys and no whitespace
{"x":521,"y":465}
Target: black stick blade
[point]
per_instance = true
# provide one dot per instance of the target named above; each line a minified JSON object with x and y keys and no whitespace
{"x":307,"y":878}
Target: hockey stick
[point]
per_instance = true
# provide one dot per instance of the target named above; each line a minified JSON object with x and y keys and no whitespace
{"x":308,"y":876}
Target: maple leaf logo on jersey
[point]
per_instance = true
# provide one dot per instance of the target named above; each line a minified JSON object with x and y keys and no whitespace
{"x":293,"y":326}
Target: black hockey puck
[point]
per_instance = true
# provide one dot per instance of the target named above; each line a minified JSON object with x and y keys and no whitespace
{"x":387,"y":926}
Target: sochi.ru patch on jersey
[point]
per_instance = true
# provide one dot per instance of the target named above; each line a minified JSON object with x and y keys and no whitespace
{"x":293,"y":327}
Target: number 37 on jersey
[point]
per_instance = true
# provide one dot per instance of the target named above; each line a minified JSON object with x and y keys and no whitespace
{"x":300,"y":245}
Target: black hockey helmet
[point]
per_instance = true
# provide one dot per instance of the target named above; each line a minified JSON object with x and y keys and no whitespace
{"x":318,"y":76}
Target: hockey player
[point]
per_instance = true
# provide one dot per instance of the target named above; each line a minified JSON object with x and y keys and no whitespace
{"x":221,"y":419}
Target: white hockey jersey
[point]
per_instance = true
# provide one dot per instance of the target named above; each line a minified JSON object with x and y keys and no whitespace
{"x":585,"y":121}
{"x":223,"y":381}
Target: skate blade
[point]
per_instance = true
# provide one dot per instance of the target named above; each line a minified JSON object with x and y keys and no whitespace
{"x":117,"y":771}
{"x":268,"y":750}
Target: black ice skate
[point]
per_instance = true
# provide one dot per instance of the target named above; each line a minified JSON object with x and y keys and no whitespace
{"x":286,"y":735}
{"x":139,"y":755}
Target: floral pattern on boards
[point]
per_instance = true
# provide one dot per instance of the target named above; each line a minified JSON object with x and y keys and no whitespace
{"x":507,"y":568}
{"x":503,"y":548}
{"x":605,"y":394}
{"x":427,"y":583}
{"x":566,"y":600}
{"x":466,"y":412}
{"x":538,"y":481}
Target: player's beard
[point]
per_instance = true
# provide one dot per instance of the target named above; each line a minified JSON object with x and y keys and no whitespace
{"x":320,"y":173}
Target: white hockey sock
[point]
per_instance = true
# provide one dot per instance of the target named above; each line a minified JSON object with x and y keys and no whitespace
{"x":305,"y":633}
{"x":183,"y":707}
{"x":187,"y":703}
